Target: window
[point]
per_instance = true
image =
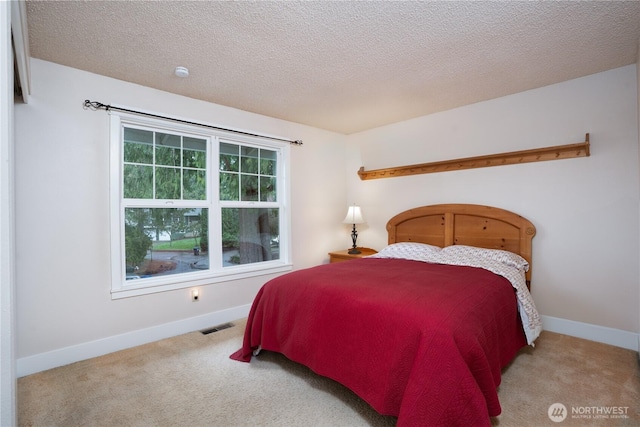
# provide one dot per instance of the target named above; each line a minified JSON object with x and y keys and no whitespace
{"x":193,"y":206}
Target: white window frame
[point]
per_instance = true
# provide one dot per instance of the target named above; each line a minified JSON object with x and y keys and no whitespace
{"x":122,"y":288}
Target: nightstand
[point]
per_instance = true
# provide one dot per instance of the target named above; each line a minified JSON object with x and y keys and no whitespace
{"x":344,"y":255}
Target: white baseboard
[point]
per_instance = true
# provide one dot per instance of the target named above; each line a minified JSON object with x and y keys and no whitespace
{"x":603,"y":334}
{"x":64,"y":356}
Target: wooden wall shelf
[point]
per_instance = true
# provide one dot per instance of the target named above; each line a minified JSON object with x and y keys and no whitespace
{"x":580,"y":149}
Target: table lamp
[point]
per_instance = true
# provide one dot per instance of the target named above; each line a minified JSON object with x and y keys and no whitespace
{"x":354,"y":216}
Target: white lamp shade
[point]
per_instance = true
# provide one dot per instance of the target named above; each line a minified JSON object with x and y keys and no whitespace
{"x":354,"y":216}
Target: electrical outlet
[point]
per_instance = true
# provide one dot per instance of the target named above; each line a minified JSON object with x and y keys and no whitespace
{"x":195,"y":295}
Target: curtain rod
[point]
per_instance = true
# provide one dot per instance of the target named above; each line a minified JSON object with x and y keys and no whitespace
{"x":95,"y":105}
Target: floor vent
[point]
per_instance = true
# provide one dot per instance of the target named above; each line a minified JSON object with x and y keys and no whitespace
{"x":217,"y":328}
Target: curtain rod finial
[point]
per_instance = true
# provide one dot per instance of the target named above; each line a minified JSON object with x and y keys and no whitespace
{"x":94,"y":105}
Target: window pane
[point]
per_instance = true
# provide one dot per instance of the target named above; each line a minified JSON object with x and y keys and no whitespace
{"x":195,"y":184}
{"x":267,"y":189}
{"x":138,"y":182}
{"x":167,"y":183}
{"x":167,"y":149}
{"x":268,"y":162}
{"x":249,"y":160}
{"x":249,"y":187}
{"x":138,"y":146}
{"x":250,"y":235}
{"x":195,"y":153}
{"x":229,"y":157}
{"x":229,"y":185}
{"x":163,"y":241}
{"x":267,"y":167}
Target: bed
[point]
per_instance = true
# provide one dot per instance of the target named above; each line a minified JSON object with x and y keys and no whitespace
{"x":420,"y":330}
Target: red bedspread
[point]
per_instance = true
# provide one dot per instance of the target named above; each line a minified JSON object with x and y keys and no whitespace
{"x":423,"y":342}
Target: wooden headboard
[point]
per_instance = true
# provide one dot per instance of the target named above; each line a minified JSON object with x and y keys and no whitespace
{"x":464,"y":224}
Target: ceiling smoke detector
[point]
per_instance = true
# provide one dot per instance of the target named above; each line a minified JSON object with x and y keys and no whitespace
{"x":182,"y":71}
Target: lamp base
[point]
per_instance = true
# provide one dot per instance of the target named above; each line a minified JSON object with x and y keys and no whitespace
{"x":354,"y":237}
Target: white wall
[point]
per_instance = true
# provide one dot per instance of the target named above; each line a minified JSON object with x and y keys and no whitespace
{"x":586,"y":210}
{"x":64,"y":308}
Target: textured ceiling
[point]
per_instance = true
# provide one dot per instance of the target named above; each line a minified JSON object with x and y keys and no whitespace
{"x":344,"y":66}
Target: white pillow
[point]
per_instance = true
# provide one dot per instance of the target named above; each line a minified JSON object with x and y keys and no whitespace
{"x":407,"y":250}
{"x":505,"y":257}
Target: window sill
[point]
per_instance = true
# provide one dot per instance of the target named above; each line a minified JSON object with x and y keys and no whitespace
{"x":222,"y":276}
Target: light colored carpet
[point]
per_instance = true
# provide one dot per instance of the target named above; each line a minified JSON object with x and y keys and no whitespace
{"x":189,"y":380}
